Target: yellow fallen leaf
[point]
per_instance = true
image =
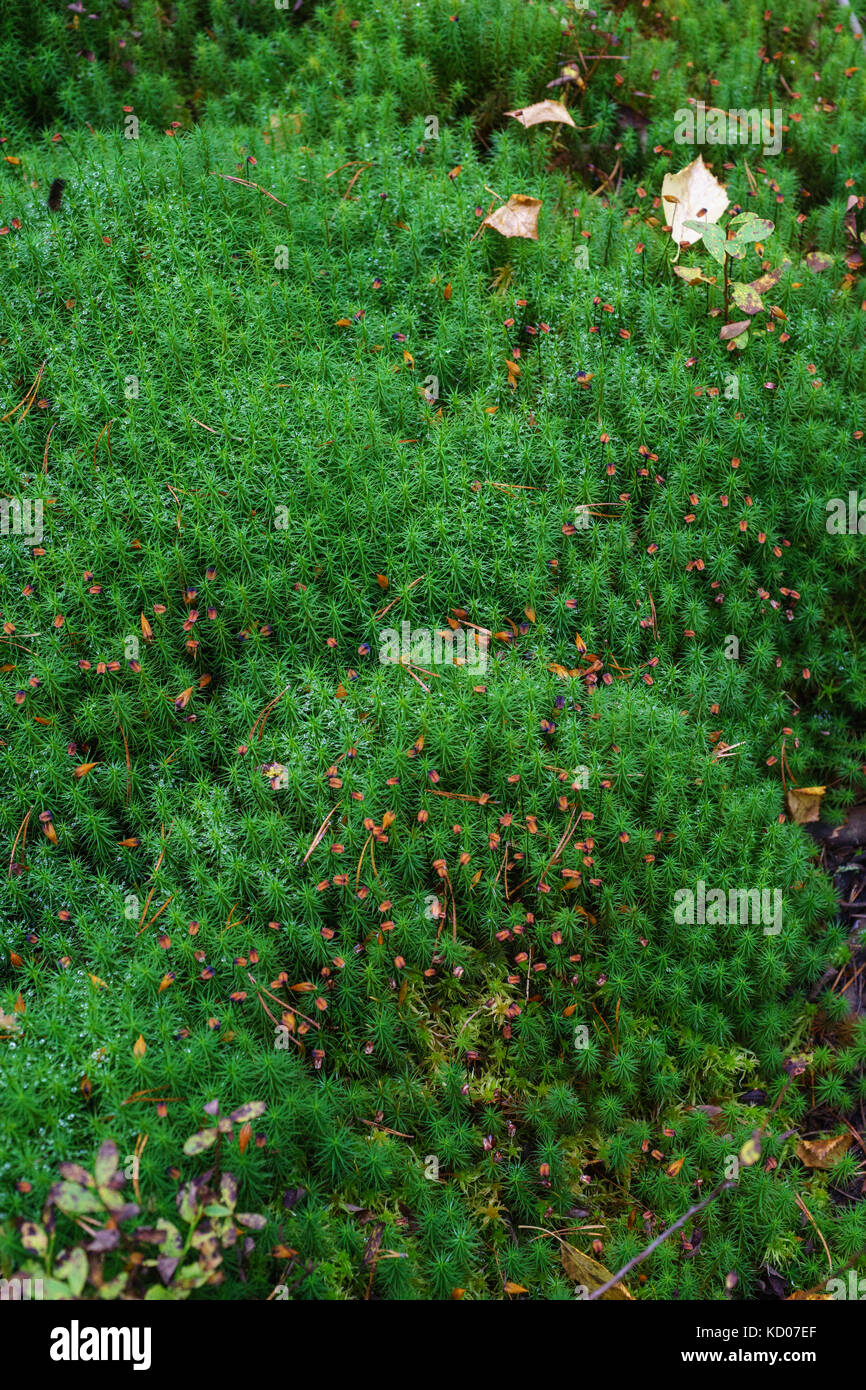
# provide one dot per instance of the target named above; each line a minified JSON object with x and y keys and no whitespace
{"x":693,"y":275}
{"x":517,"y":217}
{"x":139,"y":1047}
{"x":804,"y":803}
{"x":588,"y":1272}
{"x":694,"y":193}
{"x":823,"y":1153}
{"x":542,"y":111}
{"x":514,"y":1288}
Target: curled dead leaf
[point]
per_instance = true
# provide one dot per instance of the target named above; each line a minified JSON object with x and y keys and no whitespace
{"x":804,"y":803}
{"x":823,"y":1153}
{"x":542,"y":111}
{"x":518,"y":217}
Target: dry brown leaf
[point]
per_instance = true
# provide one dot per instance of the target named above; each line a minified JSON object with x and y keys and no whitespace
{"x":694,"y":193}
{"x":823,"y":1153}
{"x":809,"y":1296}
{"x":804,"y":803}
{"x":542,"y":111}
{"x":584,"y":1270}
{"x":517,"y":217}
{"x":139,"y":1047}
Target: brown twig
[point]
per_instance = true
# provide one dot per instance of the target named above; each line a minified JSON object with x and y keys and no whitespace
{"x":45,"y":454}
{"x":248,"y":184}
{"x":638,"y":1259}
{"x":382,"y":611}
{"x":22,"y":827}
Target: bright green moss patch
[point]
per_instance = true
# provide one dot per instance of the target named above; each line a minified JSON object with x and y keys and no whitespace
{"x":267,"y":430}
